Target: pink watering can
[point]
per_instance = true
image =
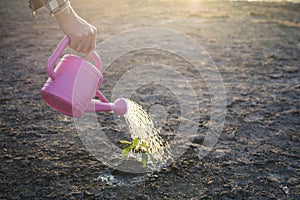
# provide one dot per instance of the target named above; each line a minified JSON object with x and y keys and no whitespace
{"x":73,"y":84}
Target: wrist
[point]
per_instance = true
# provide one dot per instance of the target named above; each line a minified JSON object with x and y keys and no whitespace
{"x":64,"y":13}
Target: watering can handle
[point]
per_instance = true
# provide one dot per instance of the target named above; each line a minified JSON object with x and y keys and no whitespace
{"x":58,"y":51}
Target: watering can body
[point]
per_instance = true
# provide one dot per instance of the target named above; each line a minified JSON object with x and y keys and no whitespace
{"x":73,"y":84}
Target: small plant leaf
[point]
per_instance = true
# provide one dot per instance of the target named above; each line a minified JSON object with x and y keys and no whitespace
{"x":143,"y":144}
{"x":125,"y":142}
{"x":135,"y":143}
{"x":126,"y":151}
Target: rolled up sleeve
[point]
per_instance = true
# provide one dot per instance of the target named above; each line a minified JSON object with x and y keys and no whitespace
{"x":52,"y":6}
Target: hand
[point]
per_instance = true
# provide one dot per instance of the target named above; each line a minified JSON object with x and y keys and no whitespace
{"x":82,"y":34}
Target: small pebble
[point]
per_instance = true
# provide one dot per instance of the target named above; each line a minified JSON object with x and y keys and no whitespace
{"x":286,"y":190}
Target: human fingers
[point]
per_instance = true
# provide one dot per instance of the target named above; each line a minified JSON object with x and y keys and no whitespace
{"x":92,"y":45}
{"x":88,"y":45}
{"x":75,"y":43}
{"x":81,"y":46}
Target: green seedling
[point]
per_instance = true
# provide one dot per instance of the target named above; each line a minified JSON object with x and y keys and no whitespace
{"x":137,"y":147}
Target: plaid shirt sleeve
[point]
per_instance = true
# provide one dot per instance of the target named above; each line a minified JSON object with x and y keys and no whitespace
{"x":52,"y":6}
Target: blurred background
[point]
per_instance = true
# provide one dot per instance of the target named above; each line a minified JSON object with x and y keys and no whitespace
{"x":256,"y":47}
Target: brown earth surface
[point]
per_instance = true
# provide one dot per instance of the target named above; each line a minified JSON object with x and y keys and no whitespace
{"x":256,"y":47}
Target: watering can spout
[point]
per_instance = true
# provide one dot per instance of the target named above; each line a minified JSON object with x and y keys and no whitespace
{"x":119,"y":106}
